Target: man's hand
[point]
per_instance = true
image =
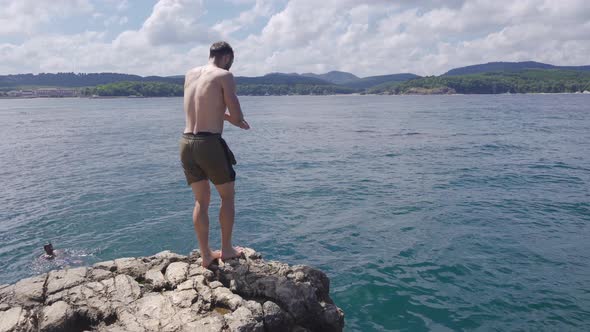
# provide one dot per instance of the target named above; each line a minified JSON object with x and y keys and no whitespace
{"x":241,"y":124}
{"x":244,"y":125}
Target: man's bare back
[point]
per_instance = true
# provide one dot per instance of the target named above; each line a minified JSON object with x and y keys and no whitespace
{"x":208,"y":91}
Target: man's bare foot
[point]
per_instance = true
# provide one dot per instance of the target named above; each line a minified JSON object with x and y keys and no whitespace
{"x":235,"y":252}
{"x":209,"y":258}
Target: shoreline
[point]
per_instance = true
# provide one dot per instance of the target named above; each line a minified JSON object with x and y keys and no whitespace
{"x":330,"y":95}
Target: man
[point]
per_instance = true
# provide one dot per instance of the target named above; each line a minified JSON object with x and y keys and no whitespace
{"x":208,"y":91}
{"x":49,"y":252}
{"x":55,"y":258}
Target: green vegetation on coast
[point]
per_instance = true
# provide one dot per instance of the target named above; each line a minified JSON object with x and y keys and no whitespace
{"x":490,"y":78}
{"x":524,"y":81}
{"x":137,"y":89}
{"x":295,"y":89}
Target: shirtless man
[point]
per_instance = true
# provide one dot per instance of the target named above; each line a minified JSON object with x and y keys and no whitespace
{"x":208,"y":91}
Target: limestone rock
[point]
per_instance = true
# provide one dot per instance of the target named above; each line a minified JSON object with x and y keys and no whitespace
{"x":215,"y":284}
{"x":99,"y":274}
{"x":189,"y":284}
{"x":10,"y":319}
{"x":176,"y":273}
{"x":55,"y":317}
{"x":275,"y":317}
{"x":171,"y":292}
{"x":29,"y":291}
{"x":107,"y":265}
{"x":196,"y":269}
{"x":156,"y":279}
{"x":131,"y":266}
{"x":242,"y":320}
{"x":210,"y":324}
{"x":59,"y":280}
{"x":182,"y":299}
{"x":225,"y":298}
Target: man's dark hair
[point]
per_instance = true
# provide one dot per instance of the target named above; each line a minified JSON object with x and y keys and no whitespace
{"x":48,"y":249}
{"x":220,"y":49}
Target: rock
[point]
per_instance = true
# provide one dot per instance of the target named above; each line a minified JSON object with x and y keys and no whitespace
{"x":209,"y":324}
{"x":189,"y":284}
{"x":156,"y":279}
{"x":99,"y":274}
{"x":274,"y":317}
{"x":224,"y":298}
{"x":193,"y":256}
{"x":255,"y":308}
{"x":131,"y":266}
{"x":196,"y":269}
{"x":171,"y":292}
{"x":29,"y":291}
{"x":215,"y":284}
{"x":176,"y":273}
{"x":9,"y":320}
{"x":55,"y":317}
{"x":172,"y":257}
{"x":182,"y":299}
{"x":123,"y":289}
{"x":162,"y":259}
{"x":153,"y":310}
{"x":108,"y":265}
{"x":64,"y":279}
{"x":242,"y":320}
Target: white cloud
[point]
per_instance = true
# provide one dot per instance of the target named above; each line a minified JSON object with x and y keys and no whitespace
{"x":24,"y":17}
{"x":261,"y":8}
{"x":374,"y":37}
{"x":116,"y":19}
{"x":366,"y":37}
{"x":176,"y":21}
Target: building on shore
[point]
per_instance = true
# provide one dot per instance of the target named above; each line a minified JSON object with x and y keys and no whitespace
{"x":43,"y":93}
{"x":21,"y":94}
{"x":55,"y":92}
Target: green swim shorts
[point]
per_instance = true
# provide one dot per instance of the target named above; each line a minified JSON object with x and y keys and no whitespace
{"x":206,"y":156}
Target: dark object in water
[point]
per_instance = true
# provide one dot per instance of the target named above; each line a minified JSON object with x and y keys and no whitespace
{"x":49,"y":250}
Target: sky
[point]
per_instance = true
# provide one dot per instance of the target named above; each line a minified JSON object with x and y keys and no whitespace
{"x":364,"y":37}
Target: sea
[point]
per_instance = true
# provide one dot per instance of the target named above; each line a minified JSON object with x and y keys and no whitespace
{"x":427,"y":213}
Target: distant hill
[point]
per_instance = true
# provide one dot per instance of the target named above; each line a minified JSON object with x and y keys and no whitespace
{"x":78,"y":80}
{"x":288,"y":84}
{"x":493,"y":77}
{"x":75,"y":80}
{"x":522,"y":81}
{"x":372,"y":81}
{"x":509,"y":66}
{"x":336,"y":77}
{"x":280,"y":78}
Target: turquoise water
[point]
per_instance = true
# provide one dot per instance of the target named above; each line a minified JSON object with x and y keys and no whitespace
{"x":426,"y":212}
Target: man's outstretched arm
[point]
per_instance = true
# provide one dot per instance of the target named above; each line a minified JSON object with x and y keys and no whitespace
{"x":235,"y":116}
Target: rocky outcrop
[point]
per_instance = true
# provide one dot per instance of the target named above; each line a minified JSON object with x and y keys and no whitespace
{"x":171,"y":292}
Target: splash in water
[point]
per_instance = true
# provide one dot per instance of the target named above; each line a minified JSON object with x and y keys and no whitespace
{"x":63,"y":258}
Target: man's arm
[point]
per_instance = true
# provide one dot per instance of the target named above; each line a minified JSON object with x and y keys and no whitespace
{"x":235,"y":116}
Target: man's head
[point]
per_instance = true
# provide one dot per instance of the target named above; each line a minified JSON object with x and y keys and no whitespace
{"x":222,"y":53}
{"x":48,"y":249}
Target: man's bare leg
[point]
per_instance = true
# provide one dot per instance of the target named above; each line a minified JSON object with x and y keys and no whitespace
{"x":202,"y":193}
{"x":226,"y":219}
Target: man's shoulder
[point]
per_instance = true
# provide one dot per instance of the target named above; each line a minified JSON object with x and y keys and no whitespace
{"x":193,"y":71}
{"x":220,"y":72}
{"x":224,"y":75}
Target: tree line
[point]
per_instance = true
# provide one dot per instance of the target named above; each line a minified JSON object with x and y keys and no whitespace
{"x":526,"y":81}
{"x":136,"y":89}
